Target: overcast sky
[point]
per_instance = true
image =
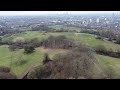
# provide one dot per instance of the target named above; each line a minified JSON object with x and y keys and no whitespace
{"x":51,"y":12}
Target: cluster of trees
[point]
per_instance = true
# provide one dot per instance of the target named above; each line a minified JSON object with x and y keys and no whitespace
{"x":65,"y":30}
{"x":22,"y":44}
{"x":78,"y":63}
{"x":58,"y":42}
{"x":110,"y":35}
{"x":29,"y":49}
{"x":51,"y":42}
{"x":42,"y":28}
{"x":5,"y":73}
{"x":95,"y":32}
{"x":48,"y":29}
{"x":101,"y":49}
{"x":4,"y":31}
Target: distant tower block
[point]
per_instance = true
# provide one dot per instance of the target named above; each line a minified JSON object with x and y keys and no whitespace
{"x":90,"y":20}
{"x":97,"y":20}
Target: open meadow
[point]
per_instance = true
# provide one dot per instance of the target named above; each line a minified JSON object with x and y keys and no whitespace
{"x":10,"y":58}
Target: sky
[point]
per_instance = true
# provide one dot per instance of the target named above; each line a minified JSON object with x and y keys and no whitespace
{"x":2,"y":13}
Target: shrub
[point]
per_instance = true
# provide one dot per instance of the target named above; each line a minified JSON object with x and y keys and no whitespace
{"x":101,"y":49}
{"x":98,"y":37}
{"x":4,"y":69}
{"x":21,"y":62}
{"x":4,"y":75}
{"x":28,"y":49}
{"x":46,"y":59}
{"x":12,"y":47}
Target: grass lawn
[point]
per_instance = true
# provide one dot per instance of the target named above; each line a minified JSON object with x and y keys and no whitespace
{"x":11,"y":58}
{"x":110,"y":63}
{"x":89,"y":39}
{"x":33,"y":34}
{"x":6,"y":56}
{"x":36,"y":57}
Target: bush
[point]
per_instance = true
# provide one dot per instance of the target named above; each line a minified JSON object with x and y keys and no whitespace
{"x":101,"y":49}
{"x":4,"y":75}
{"x":40,"y":72}
{"x":28,"y":49}
{"x":12,"y":47}
{"x":4,"y":69}
{"x":46,"y":59}
{"x":99,"y":37}
{"x":21,"y":62}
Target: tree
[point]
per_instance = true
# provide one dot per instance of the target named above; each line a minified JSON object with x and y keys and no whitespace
{"x":0,"y":39}
{"x":28,"y":49}
{"x":118,"y":39}
{"x":12,"y":47}
{"x":46,"y":58}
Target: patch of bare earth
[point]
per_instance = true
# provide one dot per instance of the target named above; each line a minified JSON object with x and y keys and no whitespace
{"x":50,"y":51}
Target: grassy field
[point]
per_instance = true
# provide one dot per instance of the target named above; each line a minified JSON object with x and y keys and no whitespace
{"x":83,"y":38}
{"x":32,"y":34}
{"x":89,"y":39}
{"x":36,"y":57}
{"x":110,"y":63}
{"x":6,"y":56}
{"x":11,"y":58}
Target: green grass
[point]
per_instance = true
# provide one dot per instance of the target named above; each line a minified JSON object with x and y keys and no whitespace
{"x":25,"y":35}
{"x":110,"y":63}
{"x":32,"y":34}
{"x":36,"y":57}
{"x":11,"y":58}
{"x":6,"y":56}
{"x":89,"y":39}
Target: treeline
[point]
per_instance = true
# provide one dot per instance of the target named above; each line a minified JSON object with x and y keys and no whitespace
{"x":101,"y":49}
{"x":111,"y":35}
{"x":42,"y":28}
{"x":58,"y":42}
{"x":51,"y":42}
{"x":4,"y":31}
{"x":22,"y":44}
{"x":49,"y":29}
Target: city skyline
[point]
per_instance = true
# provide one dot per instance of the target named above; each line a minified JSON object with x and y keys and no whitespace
{"x":9,"y":13}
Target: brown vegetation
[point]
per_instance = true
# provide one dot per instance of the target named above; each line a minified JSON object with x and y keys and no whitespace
{"x":6,"y":74}
{"x":78,"y":63}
